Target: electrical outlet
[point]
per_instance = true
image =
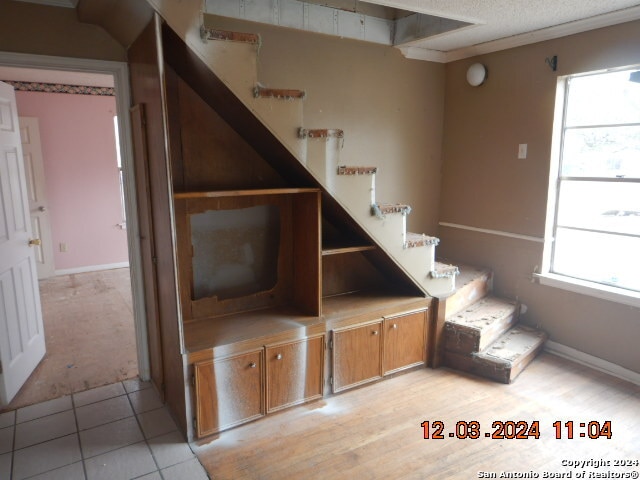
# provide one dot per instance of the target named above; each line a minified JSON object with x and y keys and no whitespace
{"x":63,"y":247}
{"x":522,"y":151}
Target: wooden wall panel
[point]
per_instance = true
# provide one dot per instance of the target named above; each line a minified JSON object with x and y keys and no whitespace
{"x":214,"y":156}
{"x":146,"y":89}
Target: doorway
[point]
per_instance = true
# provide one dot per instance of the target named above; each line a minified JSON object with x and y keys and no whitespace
{"x":92,"y":311}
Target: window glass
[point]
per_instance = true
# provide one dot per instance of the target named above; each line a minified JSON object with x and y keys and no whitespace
{"x":603,"y":99}
{"x":602,"y":206}
{"x":602,"y":152}
{"x":607,"y":259}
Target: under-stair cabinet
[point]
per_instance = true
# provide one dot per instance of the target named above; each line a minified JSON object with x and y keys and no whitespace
{"x":261,"y":293}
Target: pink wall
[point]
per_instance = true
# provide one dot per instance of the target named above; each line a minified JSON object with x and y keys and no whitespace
{"x":81,"y":172}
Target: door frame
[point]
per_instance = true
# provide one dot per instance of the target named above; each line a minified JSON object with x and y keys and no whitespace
{"x":120,"y":73}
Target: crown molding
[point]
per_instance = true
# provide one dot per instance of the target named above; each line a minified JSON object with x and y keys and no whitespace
{"x":425,"y":54}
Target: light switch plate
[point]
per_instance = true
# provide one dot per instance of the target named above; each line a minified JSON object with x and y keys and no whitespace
{"x":522,"y":151}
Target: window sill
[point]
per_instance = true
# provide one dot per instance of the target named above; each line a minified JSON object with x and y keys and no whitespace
{"x":613,"y":294}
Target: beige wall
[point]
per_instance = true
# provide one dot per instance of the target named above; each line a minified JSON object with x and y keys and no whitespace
{"x":390,"y":108}
{"x":485,"y":185}
{"x":44,"y":30}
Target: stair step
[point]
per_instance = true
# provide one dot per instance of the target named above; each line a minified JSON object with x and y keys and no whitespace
{"x":444,"y":270}
{"x":344,"y":170}
{"x":320,"y":133}
{"x":381,"y":209}
{"x":208,"y":33}
{"x":285,"y":93}
{"x":473,"y":283}
{"x":419,"y":240}
{"x":505,"y":358}
{"x":471,"y":330}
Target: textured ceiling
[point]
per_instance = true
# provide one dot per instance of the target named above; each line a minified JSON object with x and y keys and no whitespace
{"x":494,"y":24}
{"x":498,"y":19}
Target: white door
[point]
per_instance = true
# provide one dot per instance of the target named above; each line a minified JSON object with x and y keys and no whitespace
{"x":38,"y":206}
{"x":21,"y":330}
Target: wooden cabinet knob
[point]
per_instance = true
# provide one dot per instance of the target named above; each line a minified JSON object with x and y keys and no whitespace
{"x":375,"y":332}
{"x":395,"y":325}
{"x":252,"y":365}
{"x":279,"y":356}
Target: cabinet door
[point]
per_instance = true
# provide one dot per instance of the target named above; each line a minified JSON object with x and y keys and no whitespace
{"x":357,"y":355}
{"x":294,"y":372}
{"x":228,"y":392}
{"x":405,"y":341}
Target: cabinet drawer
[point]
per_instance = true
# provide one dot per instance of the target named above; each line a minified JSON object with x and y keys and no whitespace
{"x":294,"y":372}
{"x":405,"y":341}
{"x":357,"y":355}
{"x":228,"y":392}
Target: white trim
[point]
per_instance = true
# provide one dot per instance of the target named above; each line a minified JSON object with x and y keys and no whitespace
{"x":92,"y":268}
{"x":120,"y":73}
{"x":417,"y":53}
{"x":598,"y":290}
{"x":493,"y":232}
{"x":554,"y":170}
{"x":592,"y":362}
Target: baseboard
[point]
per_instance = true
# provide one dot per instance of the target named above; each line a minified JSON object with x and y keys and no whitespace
{"x":92,"y":268}
{"x":592,"y":362}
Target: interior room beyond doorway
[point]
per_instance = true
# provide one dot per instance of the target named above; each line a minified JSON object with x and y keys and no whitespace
{"x":90,"y":337}
{"x":86,"y":298}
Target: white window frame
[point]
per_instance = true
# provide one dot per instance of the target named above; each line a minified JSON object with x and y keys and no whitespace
{"x":546,"y":276}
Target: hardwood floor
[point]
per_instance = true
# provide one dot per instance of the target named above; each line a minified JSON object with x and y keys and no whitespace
{"x":375,"y":432}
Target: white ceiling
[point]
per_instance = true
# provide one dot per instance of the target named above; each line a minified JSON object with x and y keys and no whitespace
{"x":498,"y":24}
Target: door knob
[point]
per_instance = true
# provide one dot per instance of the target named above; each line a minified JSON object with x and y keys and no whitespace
{"x":41,"y":208}
{"x":33,"y":242}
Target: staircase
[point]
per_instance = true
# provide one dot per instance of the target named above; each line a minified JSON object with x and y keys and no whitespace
{"x":233,"y":57}
{"x":481,"y":331}
{"x":475,"y":331}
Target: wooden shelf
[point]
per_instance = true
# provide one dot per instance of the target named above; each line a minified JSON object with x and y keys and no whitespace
{"x":241,"y":193}
{"x":351,"y":308}
{"x":338,"y":250}
{"x":241,"y":332}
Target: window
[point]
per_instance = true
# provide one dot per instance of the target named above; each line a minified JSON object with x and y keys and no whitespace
{"x":594,"y":215}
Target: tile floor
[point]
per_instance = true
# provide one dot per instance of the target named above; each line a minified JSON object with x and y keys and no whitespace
{"x":119,"y":431}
